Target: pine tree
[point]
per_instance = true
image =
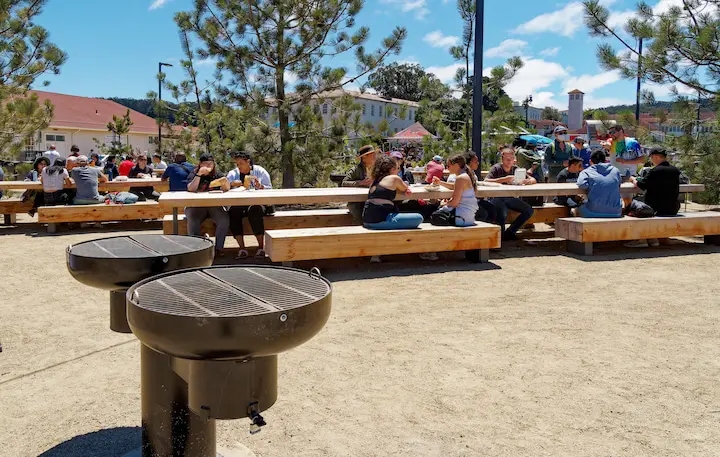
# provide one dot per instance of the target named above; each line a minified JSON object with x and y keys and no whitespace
{"x":27,"y":54}
{"x":258,"y":44}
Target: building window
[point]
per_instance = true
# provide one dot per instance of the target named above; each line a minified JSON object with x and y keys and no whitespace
{"x":363,"y":109}
{"x":380,"y":110}
{"x":30,"y":143}
{"x":324,"y":108}
{"x":55,"y":137}
{"x":372,"y":110}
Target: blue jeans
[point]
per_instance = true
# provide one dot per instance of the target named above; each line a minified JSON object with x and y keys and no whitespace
{"x":584,"y":212}
{"x":397,"y":221}
{"x":503,"y":204}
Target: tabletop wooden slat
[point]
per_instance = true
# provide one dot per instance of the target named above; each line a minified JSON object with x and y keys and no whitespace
{"x":357,"y":194}
{"x":110,"y":186}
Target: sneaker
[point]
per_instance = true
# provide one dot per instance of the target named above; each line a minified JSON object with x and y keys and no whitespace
{"x":375,"y":259}
{"x":636,"y":244}
{"x":509,"y":236}
{"x":429,"y":256}
{"x":653,"y":242}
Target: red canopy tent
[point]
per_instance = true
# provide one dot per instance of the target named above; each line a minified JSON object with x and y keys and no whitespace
{"x":415,"y":132}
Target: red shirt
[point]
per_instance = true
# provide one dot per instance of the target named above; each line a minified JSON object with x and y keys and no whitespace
{"x":125,"y":167}
{"x":434,"y":169}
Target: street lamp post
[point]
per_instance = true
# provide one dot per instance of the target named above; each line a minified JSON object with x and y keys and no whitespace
{"x":526,"y":105}
{"x":477,"y":123}
{"x":639,"y":81}
{"x":160,"y":80}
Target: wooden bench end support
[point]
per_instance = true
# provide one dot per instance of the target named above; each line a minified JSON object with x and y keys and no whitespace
{"x":478,"y":255}
{"x":10,"y":219}
{"x":712,"y":239}
{"x":52,"y":227}
{"x":288,"y":264}
{"x":580,"y":248}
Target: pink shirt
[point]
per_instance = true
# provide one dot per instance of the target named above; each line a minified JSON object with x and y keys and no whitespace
{"x":434,"y":169}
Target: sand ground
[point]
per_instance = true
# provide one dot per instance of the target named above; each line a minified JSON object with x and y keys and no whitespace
{"x":538,"y":353}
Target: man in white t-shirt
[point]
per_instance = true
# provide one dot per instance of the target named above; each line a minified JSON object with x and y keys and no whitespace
{"x":158,"y":163}
{"x":52,"y":154}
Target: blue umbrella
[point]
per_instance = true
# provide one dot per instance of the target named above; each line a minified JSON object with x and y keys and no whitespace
{"x":290,"y":124}
{"x":538,"y":138}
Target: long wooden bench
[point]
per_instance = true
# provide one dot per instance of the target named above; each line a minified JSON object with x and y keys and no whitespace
{"x":12,"y":206}
{"x":543,"y":214}
{"x":280,"y":220}
{"x":580,"y":233}
{"x":52,"y":215}
{"x":356,"y":241}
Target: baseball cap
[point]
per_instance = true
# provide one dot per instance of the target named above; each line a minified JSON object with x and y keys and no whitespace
{"x":82,"y":159}
{"x":206,"y":157}
{"x":579,"y":139}
{"x":658,"y":150}
{"x":437,"y":159}
{"x":396,"y":155}
{"x":560,"y":128}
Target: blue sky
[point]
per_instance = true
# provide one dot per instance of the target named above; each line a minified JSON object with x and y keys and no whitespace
{"x":114,"y":47}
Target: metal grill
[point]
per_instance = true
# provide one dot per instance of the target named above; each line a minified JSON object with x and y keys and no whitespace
{"x":231,"y":292}
{"x":139,"y":246}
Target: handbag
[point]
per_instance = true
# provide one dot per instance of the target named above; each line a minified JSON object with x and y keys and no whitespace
{"x":124,"y":198}
{"x":443,"y":217}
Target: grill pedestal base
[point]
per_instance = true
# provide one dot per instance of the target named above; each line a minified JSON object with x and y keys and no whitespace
{"x":169,"y":426}
{"x":118,"y":312}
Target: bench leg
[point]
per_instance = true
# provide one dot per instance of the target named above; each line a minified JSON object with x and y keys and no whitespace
{"x":287,"y":264}
{"x":52,"y":227}
{"x":10,"y":219}
{"x":478,"y":255}
{"x":175,"y":221}
{"x":577,"y":247}
{"x":712,"y":239}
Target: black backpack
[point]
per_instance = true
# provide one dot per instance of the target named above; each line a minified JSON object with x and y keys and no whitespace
{"x":441,"y":217}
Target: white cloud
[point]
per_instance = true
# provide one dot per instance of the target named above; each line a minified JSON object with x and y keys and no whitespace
{"x":590,"y":83}
{"x":536,"y":74}
{"x":508,"y":48}
{"x":445,"y":74}
{"x":592,"y":102}
{"x":543,"y":99}
{"x":205,"y":62}
{"x":618,"y":20}
{"x":157,"y":4}
{"x":664,"y":92}
{"x":408,"y":60}
{"x":418,"y":6}
{"x":563,"y":22}
{"x":436,"y":39}
{"x":550,"y":52}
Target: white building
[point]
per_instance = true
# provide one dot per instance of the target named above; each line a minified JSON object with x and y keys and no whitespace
{"x":575,"y":109}
{"x":374,"y":108}
{"x":80,"y":120}
{"x":534,"y":113}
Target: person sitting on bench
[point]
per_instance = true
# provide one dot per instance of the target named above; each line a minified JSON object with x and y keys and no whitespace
{"x":247,"y":174}
{"x":380,"y":211}
{"x":86,"y":182}
{"x":504,"y":173}
{"x":570,"y":174}
{"x":487,"y":212}
{"x":360,"y":177}
{"x":177,"y":173}
{"x":200,"y":180}
{"x":602,"y":182}
{"x":142,"y":170}
{"x":463,"y":199}
{"x":54,"y":180}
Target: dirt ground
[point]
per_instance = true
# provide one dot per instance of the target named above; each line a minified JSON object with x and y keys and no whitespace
{"x":539,"y":353}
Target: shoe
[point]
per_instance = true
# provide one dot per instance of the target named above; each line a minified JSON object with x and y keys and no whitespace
{"x":653,"y":242}
{"x":509,"y":236}
{"x":429,"y":256}
{"x":375,"y":259}
{"x":260,"y":254}
{"x":636,"y":244}
{"x":664,"y":241}
{"x":242,"y":254}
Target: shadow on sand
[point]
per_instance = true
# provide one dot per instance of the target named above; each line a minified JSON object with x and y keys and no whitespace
{"x":109,"y":442}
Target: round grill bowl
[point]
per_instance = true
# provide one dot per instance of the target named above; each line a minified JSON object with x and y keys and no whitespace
{"x":228,"y":312}
{"x":116,"y":263}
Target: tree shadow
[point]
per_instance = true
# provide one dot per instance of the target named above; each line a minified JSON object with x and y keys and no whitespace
{"x":109,"y":442}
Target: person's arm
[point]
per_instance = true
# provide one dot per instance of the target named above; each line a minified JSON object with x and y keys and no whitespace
{"x":528,"y":181}
{"x":165,"y":175}
{"x":445,"y":184}
{"x":399,"y":184}
{"x":461,"y":183}
{"x":493,"y":177}
{"x":352,"y":179}
{"x":102,"y":177}
{"x":582,"y":181}
{"x":264,"y":179}
{"x":193,"y":183}
{"x":225,"y":185}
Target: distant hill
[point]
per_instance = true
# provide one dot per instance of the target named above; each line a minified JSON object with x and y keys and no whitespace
{"x":706,"y":105}
{"x":144,"y":106}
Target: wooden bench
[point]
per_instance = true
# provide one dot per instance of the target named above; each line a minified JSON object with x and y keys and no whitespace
{"x":581,"y":233}
{"x":52,"y":215}
{"x":307,"y":218}
{"x":12,"y":206}
{"x":545,"y":214}
{"x":355,"y":241}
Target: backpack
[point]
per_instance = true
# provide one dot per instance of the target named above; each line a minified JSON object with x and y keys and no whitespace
{"x":443,"y":217}
{"x":123,"y":198}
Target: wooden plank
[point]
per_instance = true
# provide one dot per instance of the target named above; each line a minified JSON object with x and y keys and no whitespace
{"x":357,"y":241}
{"x":357,"y":194}
{"x":545,"y":214}
{"x":15,"y":205}
{"x":110,"y":186}
{"x":102,"y":212}
{"x":586,"y":230}
{"x":281,"y":220}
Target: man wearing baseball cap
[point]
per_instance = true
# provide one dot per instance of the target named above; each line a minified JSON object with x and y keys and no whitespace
{"x":360,"y":176}
{"x":434,"y":168}
{"x":580,"y":151}
{"x":558,"y":153}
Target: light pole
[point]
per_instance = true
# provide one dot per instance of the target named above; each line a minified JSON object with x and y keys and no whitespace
{"x":477,"y":80}
{"x":526,"y":105}
{"x":639,"y":79}
{"x":160,"y":80}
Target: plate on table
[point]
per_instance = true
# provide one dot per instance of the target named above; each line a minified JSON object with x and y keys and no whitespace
{"x":431,"y":188}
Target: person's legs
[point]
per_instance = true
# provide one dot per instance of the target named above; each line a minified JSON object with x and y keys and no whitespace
{"x":525,"y":210}
{"x":140,"y":195}
{"x":398,"y":221}
{"x":195,"y":218}
{"x":236,"y":215}
{"x":501,"y":211}
{"x":89,"y":201}
{"x":222,"y":225}
{"x":255,"y":216}
{"x":637,"y":208}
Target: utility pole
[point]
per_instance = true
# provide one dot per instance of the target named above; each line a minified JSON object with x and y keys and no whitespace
{"x":639,"y":78}
{"x":477,"y":123}
{"x":160,"y":81}
{"x":697,"y":124}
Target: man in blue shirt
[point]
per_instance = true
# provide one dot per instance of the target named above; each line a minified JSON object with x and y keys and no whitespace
{"x":178,"y":173}
{"x":581,"y":152}
{"x":602,"y":182}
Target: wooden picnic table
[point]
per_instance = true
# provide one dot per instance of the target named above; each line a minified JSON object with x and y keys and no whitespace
{"x":110,"y":186}
{"x":420,"y":175}
{"x":237,"y":197}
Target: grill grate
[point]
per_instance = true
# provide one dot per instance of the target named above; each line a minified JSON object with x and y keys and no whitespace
{"x":230,"y":292}
{"x":139,"y":246}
